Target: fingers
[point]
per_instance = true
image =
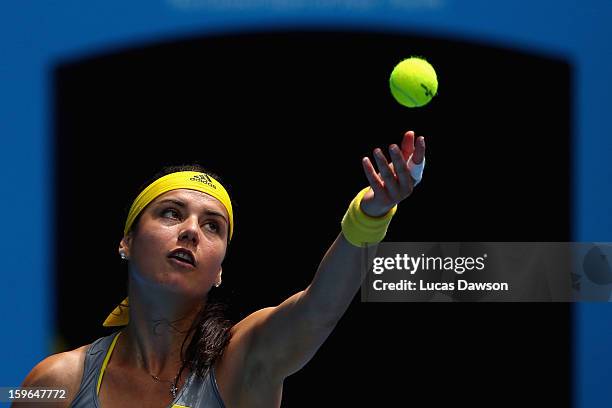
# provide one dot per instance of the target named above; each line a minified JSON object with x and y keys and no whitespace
{"x":394,"y":179}
{"x":412,"y":147}
{"x":402,"y":172}
{"x":408,"y":144}
{"x":375,"y":181}
{"x":419,"y":150}
{"x":386,"y":173}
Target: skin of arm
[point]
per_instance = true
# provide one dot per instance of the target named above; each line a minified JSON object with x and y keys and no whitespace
{"x":280,"y":340}
{"x":61,"y":371}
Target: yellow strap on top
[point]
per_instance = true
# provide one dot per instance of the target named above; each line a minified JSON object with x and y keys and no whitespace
{"x":105,"y":363}
{"x":108,"y":354}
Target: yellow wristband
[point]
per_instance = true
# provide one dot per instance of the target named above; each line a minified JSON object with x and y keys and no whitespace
{"x":361,"y":229}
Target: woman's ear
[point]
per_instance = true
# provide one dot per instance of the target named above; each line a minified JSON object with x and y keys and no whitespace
{"x":124,"y":246}
{"x":218,"y":281}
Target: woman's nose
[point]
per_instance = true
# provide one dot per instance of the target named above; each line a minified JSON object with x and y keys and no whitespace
{"x":190,"y":231}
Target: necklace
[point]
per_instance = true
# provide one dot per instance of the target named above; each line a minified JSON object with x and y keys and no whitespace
{"x":173,"y":387}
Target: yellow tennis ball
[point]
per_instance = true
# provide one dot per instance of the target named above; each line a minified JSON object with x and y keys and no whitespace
{"x":413,"y":82}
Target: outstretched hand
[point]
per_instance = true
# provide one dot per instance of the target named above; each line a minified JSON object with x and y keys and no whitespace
{"x":394,"y":182}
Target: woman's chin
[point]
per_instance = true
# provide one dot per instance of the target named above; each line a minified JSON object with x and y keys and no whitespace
{"x":182,"y":289}
{"x":175,"y":282}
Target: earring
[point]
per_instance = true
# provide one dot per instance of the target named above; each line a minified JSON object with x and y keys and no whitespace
{"x":217,"y":284}
{"x":123,"y":255}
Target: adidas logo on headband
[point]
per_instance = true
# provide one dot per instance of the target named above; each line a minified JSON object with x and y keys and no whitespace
{"x":205,"y":179}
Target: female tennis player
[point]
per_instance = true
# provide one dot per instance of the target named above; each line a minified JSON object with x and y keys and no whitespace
{"x":175,"y":240}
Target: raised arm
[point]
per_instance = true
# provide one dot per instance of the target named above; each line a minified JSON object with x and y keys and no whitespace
{"x":280,"y":340}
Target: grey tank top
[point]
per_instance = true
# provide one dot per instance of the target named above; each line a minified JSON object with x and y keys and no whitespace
{"x":195,"y":393}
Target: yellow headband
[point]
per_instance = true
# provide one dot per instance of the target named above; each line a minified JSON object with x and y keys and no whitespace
{"x":191,"y":180}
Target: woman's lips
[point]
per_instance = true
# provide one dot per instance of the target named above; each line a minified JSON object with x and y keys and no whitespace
{"x":181,"y":263}
{"x":184,"y":255}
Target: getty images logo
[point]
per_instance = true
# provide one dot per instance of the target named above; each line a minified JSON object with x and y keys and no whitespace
{"x":203,"y":178}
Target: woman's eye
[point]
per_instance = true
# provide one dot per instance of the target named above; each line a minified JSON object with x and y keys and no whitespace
{"x":170,"y":213}
{"x":212,"y":226}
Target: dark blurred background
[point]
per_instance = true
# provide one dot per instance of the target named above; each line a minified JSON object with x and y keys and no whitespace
{"x":284,"y":118}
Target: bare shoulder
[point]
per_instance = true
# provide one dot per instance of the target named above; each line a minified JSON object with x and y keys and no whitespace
{"x":59,"y":371}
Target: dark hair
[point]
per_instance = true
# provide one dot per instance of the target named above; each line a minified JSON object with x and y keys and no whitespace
{"x":211,"y":335}
{"x":211,"y":328}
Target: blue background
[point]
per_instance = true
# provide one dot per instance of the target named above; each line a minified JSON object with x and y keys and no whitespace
{"x":35,"y":36}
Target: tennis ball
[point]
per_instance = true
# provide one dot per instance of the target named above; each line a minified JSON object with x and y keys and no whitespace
{"x":413,"y":82}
